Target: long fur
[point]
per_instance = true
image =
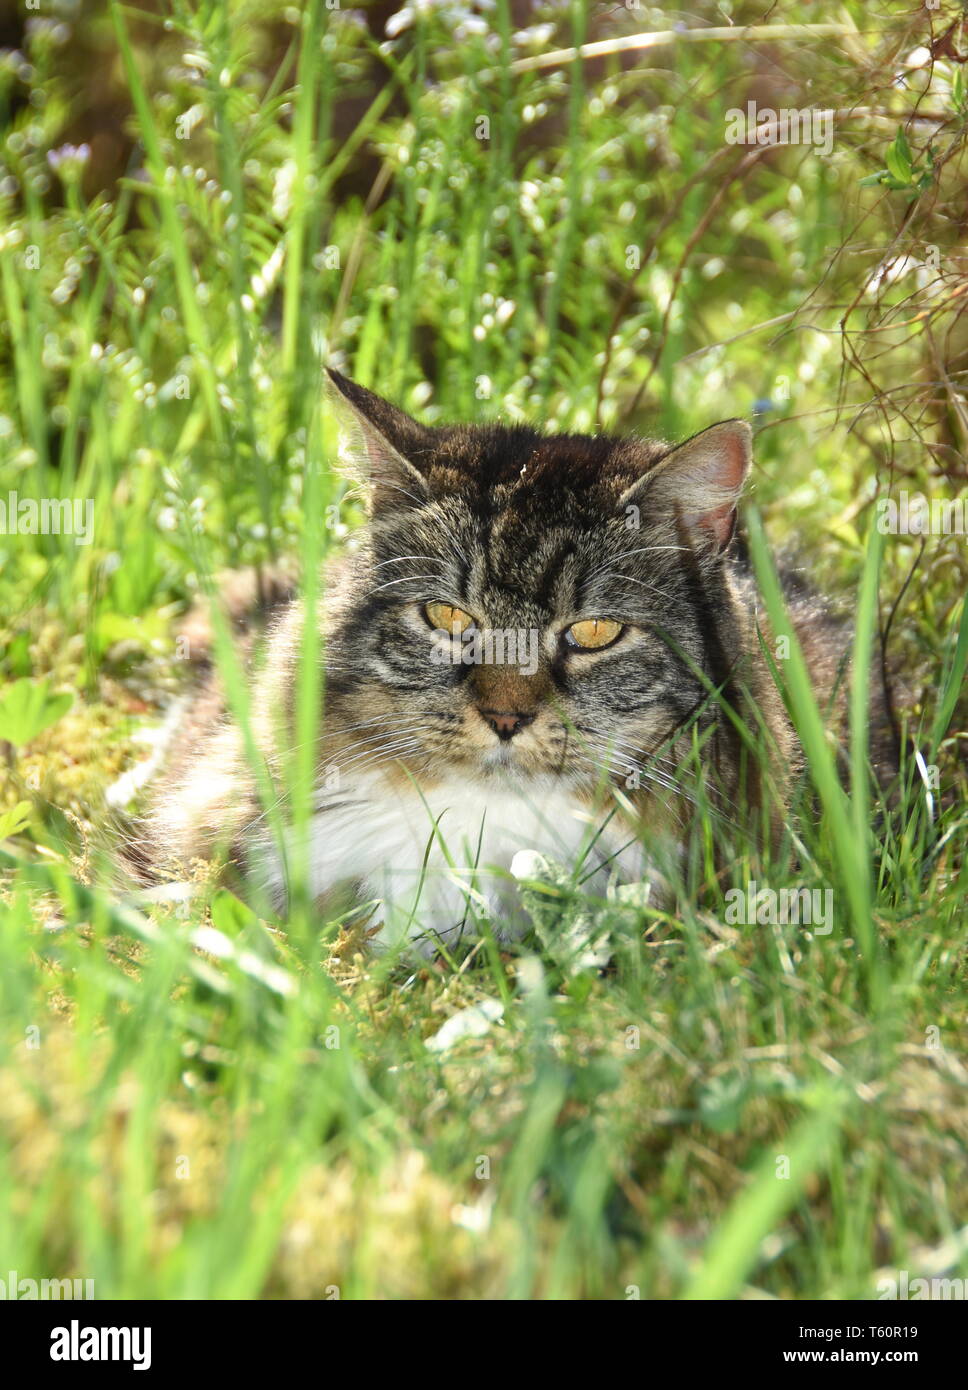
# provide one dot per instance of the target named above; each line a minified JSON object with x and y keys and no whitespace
{"x":418,"y":804}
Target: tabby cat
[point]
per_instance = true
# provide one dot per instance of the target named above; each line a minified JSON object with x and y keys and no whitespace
{"x":532,"y":646}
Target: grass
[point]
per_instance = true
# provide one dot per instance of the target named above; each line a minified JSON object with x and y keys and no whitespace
{"x":199,"y":1101}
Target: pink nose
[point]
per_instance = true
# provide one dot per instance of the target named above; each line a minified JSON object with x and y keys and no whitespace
{"x":504,"y":723}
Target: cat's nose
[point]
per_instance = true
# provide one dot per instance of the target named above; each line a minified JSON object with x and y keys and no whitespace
{"x":505,"y":723}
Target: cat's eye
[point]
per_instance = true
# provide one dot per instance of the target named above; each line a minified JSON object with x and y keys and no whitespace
{"x":592,"y":634}
{"x":444,"y":617}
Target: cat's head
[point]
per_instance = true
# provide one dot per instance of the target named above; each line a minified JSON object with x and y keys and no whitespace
{"x":529,"y":604}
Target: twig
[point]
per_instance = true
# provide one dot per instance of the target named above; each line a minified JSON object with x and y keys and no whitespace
{"x":637,"y":43}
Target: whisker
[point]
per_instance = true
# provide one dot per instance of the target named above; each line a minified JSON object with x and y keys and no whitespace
{"x":369,"y":759}
{"x":399,"y":560}
{"x":389,"y":722}
{"x":407,"y":579}
{"x":641,"y":550}
{"x":618,"y":574}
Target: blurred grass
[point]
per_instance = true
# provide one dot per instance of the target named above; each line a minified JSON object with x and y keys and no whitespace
{"x":195,"y":1102}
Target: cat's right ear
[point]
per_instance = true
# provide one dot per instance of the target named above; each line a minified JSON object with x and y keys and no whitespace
{"x":375,"y":437}
{"x":699,"y":482}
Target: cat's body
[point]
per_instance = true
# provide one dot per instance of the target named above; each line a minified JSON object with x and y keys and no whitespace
{"x":591,"y":603}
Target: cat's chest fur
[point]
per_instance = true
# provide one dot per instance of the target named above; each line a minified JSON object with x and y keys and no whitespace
{"x":424,"y":855}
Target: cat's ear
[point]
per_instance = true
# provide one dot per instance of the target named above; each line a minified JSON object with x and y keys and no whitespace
{"x":699,"y":482}
{"x":379,"y":441}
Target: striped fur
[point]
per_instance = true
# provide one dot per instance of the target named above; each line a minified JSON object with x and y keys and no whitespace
{"x":416,"y":795}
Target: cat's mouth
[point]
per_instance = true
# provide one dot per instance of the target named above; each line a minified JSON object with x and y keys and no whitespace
{"x":519,"y":760}
{"x":467,"y":748}
{"x":501,"y":755}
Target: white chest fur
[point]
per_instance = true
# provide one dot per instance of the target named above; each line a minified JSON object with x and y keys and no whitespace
{"x":440,"y":861}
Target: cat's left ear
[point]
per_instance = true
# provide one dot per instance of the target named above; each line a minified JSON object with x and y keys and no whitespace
{"x":382,"y":440}
{"x":699,"y":482}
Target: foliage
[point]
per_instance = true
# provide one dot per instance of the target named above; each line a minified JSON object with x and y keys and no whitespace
{"x":199,"y":203}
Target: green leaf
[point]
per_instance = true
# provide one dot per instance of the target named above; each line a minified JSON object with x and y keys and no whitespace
{"x":17,"y":656}
{"x":14,"y":820}
{"x":27,"y":708}
{"x":231,"y":915}
{"x":723,"y":1101}
{"x":898,"y":159}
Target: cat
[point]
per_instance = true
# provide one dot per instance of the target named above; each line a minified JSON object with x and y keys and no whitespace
{"x":533,"y":642}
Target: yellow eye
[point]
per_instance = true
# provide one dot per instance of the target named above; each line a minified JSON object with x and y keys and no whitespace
{"x":591,"y":634}
{"x":444,"y":617}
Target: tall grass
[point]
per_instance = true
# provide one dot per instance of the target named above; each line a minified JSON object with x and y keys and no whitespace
{"x":197,"y":1100}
